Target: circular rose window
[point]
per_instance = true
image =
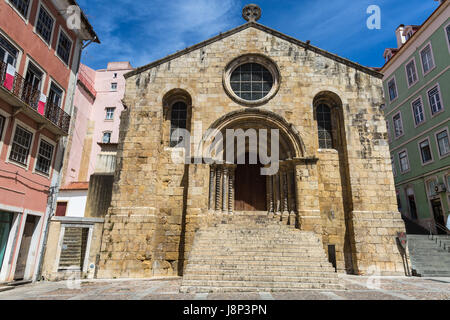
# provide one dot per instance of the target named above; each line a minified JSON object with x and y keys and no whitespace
{"x":251,"y":79}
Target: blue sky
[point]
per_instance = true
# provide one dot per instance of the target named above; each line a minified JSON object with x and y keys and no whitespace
{"x":146,"y":30}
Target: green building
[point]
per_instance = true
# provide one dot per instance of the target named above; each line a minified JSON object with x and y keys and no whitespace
{"x":417,"y":89}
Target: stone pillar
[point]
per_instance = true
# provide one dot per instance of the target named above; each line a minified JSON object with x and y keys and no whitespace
{"x":231,"y":189}
{"x":224,"y":189}
{"x":269,"y":194}
{"x":212,"y":176}
{"x":285,"y":192}
{"x":276,"y":193}
{"x":218,"y":188}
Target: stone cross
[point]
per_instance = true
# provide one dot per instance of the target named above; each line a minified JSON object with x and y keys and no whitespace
{"x":251,"y":12}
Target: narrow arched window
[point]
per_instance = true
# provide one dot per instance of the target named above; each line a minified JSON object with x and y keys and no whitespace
{"x":323,"y":116}
{"x":178,"y":120}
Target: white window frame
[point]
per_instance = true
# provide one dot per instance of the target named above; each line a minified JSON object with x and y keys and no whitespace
{"x":5,"y":126}
{"x":401,"y":121}
{"x":437,"y":141}
{"x":432,"y":58}
{"x":27,"y":18}
{"x":106,"y":113}
{"x":440,"y":98}
{"x":61,"y":29}
{"x":49,"y":141}
{"x":103,"y":135}
{"x":423,"y":111}
{"x":52,"y":33}
{"x":44,"y":74}
{"x":427,"y":180}
{"x":420,"y":151}
{"x":114,"y":90}
{"x":446,"y":36}
{"x":53,"y":81}
{"x":33,"y":132}
{"x":396,"y":89}
{"x":413,"y":59}
{"x":16,"y":46}
{"x":400,"y":161}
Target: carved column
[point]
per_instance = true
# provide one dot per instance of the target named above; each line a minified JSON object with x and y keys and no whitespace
{"x":269,"y":194}
{"x":291,"y":192}
{"x":218,"y":186}
{"x":276,"y":193}
{"x":231,"y":189}
{"x":212,"y":176}
{"x":225,"y":189}
{"x":285,"y":191}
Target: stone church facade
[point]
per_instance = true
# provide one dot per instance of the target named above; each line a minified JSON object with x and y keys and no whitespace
{"x":334,"y":179}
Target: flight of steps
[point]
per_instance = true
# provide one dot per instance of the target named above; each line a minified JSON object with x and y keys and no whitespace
{"x":250,"y":252}
{"x":430,"y":257}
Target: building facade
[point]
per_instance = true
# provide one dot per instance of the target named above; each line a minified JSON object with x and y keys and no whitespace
{"x":417,"y":88}
{"x":39,"y":58}
{"x":334,"y":178}
{"x":88,"y":171}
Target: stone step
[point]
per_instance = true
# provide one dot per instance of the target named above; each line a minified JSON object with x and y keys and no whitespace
{"x":299,"y":284}
{"x":260,"y":278}
{"x":246,"y":251}
{"x":260,"y":267}
{"x":280,"y":272}
{"x":222,"y":289}
{"x":224,"y":259}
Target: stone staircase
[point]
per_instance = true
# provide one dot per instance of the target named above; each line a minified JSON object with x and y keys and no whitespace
{"x":252,"y":252}
{"x":430,"y":256}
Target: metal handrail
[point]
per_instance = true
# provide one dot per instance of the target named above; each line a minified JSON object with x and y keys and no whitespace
{"x":443,"y":228}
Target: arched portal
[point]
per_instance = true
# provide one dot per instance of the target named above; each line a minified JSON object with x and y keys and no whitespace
{"x":253,"y":162}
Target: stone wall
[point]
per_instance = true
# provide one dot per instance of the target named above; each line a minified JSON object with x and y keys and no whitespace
{"x":157,"y":205}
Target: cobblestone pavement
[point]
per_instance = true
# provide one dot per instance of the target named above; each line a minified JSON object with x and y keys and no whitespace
{"x":387,"y":288}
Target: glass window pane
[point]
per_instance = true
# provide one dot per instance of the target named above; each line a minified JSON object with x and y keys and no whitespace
{"x":44,"y":24}
{"x":251,"y":81}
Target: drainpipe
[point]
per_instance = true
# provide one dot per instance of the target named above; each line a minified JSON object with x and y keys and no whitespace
{"x":51,"y":206}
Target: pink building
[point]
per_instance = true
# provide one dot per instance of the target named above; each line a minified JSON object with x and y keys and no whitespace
{"x":39,"y":60}
{"x":92,"y":149}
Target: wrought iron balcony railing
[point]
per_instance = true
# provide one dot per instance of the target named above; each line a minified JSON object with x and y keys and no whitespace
{"x":30,"y":96}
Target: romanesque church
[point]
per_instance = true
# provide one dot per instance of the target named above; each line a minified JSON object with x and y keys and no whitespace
{"x":330,"y":207}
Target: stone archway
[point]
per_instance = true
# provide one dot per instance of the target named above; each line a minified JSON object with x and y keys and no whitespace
{"x":227,"y":174}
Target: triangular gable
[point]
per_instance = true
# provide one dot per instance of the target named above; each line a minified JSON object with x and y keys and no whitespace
{"x":263,"y":28}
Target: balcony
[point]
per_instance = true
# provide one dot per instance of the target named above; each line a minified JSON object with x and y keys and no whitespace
{"x":87,"y":83}
{"x":25,"y":99}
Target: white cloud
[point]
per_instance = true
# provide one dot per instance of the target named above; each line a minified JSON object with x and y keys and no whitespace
{"x":143,"y":31}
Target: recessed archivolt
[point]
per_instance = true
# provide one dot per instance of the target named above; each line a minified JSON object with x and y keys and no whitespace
{"x":291,"y":143}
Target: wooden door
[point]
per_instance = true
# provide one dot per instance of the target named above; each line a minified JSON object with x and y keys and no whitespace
{"x":250,"y":188}
{"x":61,"y":208}
{"x":28,"y":231}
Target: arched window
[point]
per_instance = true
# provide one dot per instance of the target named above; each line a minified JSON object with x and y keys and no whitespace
{"x":178,"y":120}
{"x":323,"y":116}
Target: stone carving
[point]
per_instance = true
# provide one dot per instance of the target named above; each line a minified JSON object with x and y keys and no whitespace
{"x":251,"y":12}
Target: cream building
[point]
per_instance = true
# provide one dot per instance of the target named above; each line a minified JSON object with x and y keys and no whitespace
{"x":334,"y":190}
